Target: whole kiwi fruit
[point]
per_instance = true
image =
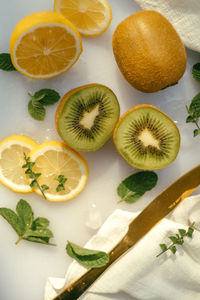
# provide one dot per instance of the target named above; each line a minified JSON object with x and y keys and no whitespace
{"x":86,"y":116}
{"x":147,"y":138}
{"x":148,"y":51}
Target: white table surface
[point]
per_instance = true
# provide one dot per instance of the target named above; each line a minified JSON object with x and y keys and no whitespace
{"x":25,"y":267}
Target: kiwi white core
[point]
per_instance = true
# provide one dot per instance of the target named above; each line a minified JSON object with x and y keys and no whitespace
{"x":148,"y":139}
{"x":87,"y":121}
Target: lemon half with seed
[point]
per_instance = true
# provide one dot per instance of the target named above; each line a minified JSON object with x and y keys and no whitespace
{"x":52,"y":159}
{"x":12,"y":151}
{"x":91,"y":17}
{"x":44,"y":44}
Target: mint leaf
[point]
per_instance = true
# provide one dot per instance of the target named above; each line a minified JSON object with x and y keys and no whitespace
{"x":25,"y":213}
{"x":194,"y":113}
{"x":194,"y":107}
{"x":196,"y":71}
{"x":134,"y":186}
{"x":47,"y":96}
{"x":86,"y":257}
{"x":40,"y":232}
{"x":38,"y":240}
{"x":36,"y":110}
{"x":12,"y":218}
{"x":6,"y":63}
{"x":41,"y":222}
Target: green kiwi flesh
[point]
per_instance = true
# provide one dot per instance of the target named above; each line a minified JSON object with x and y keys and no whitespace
{"x":147,"y":138}
{"x":88,"y":117}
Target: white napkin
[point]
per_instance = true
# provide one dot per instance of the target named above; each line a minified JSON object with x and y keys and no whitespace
{"x":183,"y":14}
{"x":139,"y":274}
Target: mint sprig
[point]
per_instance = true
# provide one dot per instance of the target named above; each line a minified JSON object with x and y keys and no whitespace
{"x":6,"y":62}
{"x":41,"y":98}
{"x":177,"y":239}
{"x":194,"y":113}
{"x":133,"y":187}
{"x":23,"y":222}
{"x":87,"y":257}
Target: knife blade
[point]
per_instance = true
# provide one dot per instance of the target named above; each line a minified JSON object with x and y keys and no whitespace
{"x":159,"y":208}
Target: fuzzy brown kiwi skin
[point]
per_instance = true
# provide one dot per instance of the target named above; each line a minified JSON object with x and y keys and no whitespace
{"x":126,"y":113}
{"x":148,"y":51}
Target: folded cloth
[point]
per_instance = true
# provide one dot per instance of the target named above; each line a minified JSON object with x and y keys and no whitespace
{"x":139,"y":274}
{"x":183,"y":14}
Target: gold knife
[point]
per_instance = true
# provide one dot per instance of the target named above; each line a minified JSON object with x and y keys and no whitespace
{"x":159,"y":208}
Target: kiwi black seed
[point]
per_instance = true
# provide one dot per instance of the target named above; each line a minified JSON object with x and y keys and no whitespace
{"x":147,"y":138}
{"x":86,"y":117}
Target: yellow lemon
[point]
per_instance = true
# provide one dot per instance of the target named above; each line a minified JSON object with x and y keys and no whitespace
{"x":53,"y":159}
{"x":12,"y":151}
{"x":91,"y":17}
{"x":44,"y":44}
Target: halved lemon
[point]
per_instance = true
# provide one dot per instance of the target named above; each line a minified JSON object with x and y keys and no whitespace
{"x":91,"y":17}
{"x":12,"y":151}
{"x":53,"y":159}
{"x":44,"y":44}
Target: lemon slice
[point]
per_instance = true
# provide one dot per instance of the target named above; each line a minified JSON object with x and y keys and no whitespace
{"x":53,"y":159}
{"x":44,"y":44}
{"x":91,"y":17}
{"x":12,"y":151}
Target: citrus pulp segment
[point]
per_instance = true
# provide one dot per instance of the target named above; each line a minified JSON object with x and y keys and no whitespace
{"x":44,"y":44}
{"x":91,"y":17}
{"x":53,"y":159}
{"x":12,"y":150}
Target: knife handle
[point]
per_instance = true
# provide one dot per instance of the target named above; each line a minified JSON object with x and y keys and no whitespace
{"x":79,"y":286}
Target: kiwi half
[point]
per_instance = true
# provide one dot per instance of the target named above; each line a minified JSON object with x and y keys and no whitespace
{"x":147,"y":138}
{"x":86,"y":117}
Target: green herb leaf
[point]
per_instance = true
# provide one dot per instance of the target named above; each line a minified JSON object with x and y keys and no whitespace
{"x":61,"y":179}
{"x":163,"y":247}
{"x":60,"y":187}
{"x":196,"y":71}
{"x":190,"y":232}
{"x":25,"y":213}
{"x":44,"y":187}
{"x":36,"y":110}
{"x":196,"y":132}
{"x":87,"y":257}
{"x":32,"y":175}
{"x":12,"y":218}
{"x":173,"y":249}
{"x":182,"y":232}
{"x":40,"y":222}
{"x":24,"y":224}
{"x":47,"y":96}
{"x":194,"y":113}
{"x":177,"y":240}
{"x":40,"y":232}
{"x":134,"y":186}
{"x":38,"y":240}
{"x":6,"y":63}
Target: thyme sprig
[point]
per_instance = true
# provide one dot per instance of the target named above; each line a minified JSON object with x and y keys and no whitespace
{"x":33,"y":176}
{"x":177,"y":239}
